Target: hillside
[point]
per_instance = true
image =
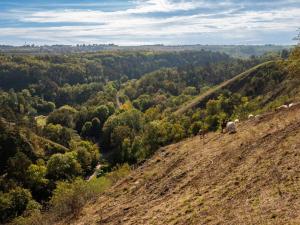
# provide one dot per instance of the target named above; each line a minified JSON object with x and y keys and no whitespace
{"x":103,"y":114}
{"x":214,"y":91}
{"x":257,"y":84}
{"x":251,"y":177}
{"x":62,"y":115}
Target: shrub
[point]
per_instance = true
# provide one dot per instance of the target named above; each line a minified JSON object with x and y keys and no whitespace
{"x":58,"y":134}
{"x":35,"y":218}
{"x":69,"y":198}
{"x":63,"y":116}
{"x":196,"y":126}
{"x":31,"y":216}
{"x":63,"y":166}
{"x":14,"y":203}
{"x":118,"y":173}
{"x":87,"y":155}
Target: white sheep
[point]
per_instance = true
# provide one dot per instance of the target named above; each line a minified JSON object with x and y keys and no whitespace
{"x":231,"y":127}
{"x":282,"y":107}
{"x":293,"y":104}
{"x":236,"y":121}
{"x":250,"y":116}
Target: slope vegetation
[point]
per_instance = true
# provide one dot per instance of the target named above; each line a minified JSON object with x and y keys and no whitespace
{"x":269,"y":84}
{"x":214,"y":91}
{"x":251,"y":177}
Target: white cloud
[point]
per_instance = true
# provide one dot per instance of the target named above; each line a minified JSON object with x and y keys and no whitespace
{"x":149,"y":6}
{"x":142,"y":7}
{"x":137,"y":24}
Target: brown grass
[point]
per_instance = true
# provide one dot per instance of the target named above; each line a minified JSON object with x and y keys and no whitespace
{"x":251,"y":177}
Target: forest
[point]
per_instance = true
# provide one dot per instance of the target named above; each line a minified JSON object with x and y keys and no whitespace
{"x":65,"y":117}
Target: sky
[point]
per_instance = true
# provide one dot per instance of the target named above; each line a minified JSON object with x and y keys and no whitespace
{"x":147,"y":22}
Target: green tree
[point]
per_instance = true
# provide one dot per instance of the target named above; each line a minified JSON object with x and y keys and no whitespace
{"x":102,"y":112}
{"x":196,"y":127}
{"x":155,"y":135}
{"x":18,"y":165}
{"x":63,"y":166}
{"x":64,"y":116}
{"x":20,"y":198}
{"x":96,"y":127}
{"x":143,"y":102}
{"x":132,"y":119}
{"x":59,"y":134}
{"x":13,"y":203}
{"x":36,"y":175}
{"x":86,"y":130}
{"x":88,"y":155}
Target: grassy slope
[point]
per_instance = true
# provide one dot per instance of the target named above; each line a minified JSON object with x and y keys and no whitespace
{"x":251,"y":177}
{"x":197,"y":100}
{"x":41,"y":145}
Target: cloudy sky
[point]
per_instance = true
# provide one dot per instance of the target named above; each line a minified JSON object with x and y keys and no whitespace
{"x":139,"y":22}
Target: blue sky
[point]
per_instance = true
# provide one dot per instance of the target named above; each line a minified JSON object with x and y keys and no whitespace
{"x":140,"y":22}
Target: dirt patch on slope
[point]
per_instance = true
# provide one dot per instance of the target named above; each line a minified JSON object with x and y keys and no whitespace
{"x":251,"y":177}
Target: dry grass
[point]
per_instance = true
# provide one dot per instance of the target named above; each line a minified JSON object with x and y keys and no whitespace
{"x":251,"y":177}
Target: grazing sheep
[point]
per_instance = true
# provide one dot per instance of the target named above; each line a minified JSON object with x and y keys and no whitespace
{"x":251,"y":116}
{"x":236,"y":121}
{"x":293,"y":104}
{"x":231,"y":127}
{"x":282,"y":107}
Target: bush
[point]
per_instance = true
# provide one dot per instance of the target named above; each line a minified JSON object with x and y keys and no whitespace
{"x":118,"y":173}
{"x":88,"y":155}
{"x":58,"y":134}
{"x":102,"y":112}
{"x":63,"y":116}
{"x":31,"y":216}
{"x":196,"y":126}
{"x":14,"y":203}
{"x":35,"y":218}
{"x":69,"y":198}
{"x":63,"y":166}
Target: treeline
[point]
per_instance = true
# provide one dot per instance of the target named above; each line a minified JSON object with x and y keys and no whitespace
{"x":172,"y":87}
{"x":244,"y":51}
{"x":19,"y":72}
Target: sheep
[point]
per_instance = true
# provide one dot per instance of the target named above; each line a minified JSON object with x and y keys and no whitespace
{"x":231,"y":127}
{"x":282,"y":107}
{"x":250,"y":116}
{"x":236,"y":121}
{"x":293,"y":104}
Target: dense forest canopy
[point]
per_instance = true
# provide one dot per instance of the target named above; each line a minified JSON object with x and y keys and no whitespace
{"x":61,"y":116}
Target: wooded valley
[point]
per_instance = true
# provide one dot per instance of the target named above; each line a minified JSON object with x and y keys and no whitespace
{"x":66,"y":117}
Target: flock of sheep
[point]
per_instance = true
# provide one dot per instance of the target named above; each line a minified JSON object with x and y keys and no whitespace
{"x":231,"y":126}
